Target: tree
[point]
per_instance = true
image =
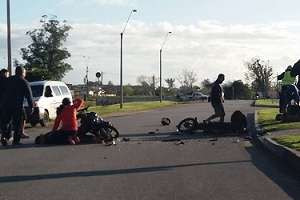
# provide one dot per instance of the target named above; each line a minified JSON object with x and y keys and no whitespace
{"x":206,"y":86}
{"x":187,"y":78}
{"x":170,"y":82}
{"x":148,"y":84}
{"x":45,"y":56}
{"x":128,"y":90}
{"x":237,"y":90}
{"x":260,"y":73}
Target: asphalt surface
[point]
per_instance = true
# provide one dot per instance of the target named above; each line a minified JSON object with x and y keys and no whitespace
{"x":149,"y":166}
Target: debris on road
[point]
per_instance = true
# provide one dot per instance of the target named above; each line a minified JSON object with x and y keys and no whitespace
{"x":213,"y":140}
{"x":126,"y":139}
{"x":165,"y":121}
{"x":179,"y":143}
{"x":171,"y":140}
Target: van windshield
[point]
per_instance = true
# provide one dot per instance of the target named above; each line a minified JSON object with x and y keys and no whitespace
{"x":37,"y":90}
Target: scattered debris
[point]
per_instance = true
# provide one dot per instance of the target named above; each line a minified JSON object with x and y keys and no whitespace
{"x":165,"y":121}
{"x":157,"y":130}
{"x":213,"y":140}
{"x":213,"y":143}
{"x":126,"y":139}
{"x":171,"y":140}
{"x":105,"y":158}
{"x":179,"y":143}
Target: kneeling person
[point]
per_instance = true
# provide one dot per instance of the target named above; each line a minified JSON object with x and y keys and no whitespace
{"x":67,"y":117}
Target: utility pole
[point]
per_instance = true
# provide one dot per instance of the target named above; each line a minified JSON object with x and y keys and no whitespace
{"x":101,"y":78}
{"x":153,"y":82}
{"x":9,"y":65}
{"x":87,"y":82}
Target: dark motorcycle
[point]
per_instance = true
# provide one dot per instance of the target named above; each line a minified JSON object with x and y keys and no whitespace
{"x":91,"y":122}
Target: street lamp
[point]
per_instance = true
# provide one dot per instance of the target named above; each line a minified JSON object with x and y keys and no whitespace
{"x":8,"y":38}
{"x":160,"y":63}
{"x":87,"y":76}
{"x":121,"y":60}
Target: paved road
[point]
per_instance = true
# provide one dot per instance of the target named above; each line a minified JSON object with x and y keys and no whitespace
{"x":146,"y":167}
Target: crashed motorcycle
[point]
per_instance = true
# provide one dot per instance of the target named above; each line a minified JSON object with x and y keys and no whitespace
{"x":237,"y":124}
{"x":93,"y":127}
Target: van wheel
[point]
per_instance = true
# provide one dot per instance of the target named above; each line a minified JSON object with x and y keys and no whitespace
{"x":45,"y":119}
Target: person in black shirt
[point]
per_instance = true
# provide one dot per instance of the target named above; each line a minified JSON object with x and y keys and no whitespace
{"x":3,"y":79}
{"x":217,"y":99}
{"x":16,"y":90}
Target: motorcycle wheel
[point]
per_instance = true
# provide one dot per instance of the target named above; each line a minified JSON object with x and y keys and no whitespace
{"x":112,"y":131}
{"x":187,"y":125}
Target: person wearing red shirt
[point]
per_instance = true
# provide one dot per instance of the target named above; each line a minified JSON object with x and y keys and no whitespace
{"x":65,"y":126}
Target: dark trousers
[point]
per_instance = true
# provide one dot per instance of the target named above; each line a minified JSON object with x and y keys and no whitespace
{"x":288,"y":93}
{"x":59,"y":137}
{"x":12,"y":117}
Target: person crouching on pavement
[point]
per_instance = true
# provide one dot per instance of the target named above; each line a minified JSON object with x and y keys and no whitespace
{"x":67,"y":117}
{"x":217,"y":99}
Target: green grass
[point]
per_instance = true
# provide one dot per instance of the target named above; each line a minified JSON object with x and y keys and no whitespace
{"x":131,"y":107}
{"x":291,"y":141}
{"x":267,"y":102}
{"x":266,"y":118}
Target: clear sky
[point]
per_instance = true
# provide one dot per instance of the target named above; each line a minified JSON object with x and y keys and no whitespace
{"x":210,"y":36}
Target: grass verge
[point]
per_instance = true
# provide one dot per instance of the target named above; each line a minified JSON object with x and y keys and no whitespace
{"x":266,"y":118}
{"x":291,"y":141}
{"x":267,"y":102}
{"x":131,"y":107}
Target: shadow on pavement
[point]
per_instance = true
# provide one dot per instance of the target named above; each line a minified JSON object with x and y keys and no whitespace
{"x":272,"y":167}
{"x":23,"y":178}
{"x":277,"y":171}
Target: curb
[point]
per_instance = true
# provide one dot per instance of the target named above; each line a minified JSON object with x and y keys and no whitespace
{"x":292,"y":157}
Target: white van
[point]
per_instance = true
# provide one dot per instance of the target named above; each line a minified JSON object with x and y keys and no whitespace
{"x":47,"y":96}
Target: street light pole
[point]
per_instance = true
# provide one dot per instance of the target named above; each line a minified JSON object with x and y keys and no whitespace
{"x":121,"y":74}
{"x":160,"y":65}
{"x":9,"y":65}
{"x":121,"y":60}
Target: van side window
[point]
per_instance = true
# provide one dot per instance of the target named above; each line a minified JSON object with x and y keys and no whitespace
{"x":48,"y":92}
{"x":64,"y":90}
{"x":56,"y":91}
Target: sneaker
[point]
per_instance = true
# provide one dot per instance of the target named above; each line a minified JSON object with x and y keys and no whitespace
{"x":76,"y":140}
{"x":24,"y":136}
{"x":71,"y":141}
{"x":16,"y":143}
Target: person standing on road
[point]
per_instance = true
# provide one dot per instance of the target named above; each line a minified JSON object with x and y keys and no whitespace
{"x":217,"y":99}
{"x":16,"y":90}
{"x":3,"y":79}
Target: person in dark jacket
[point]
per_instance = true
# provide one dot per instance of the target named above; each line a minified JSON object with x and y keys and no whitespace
{"x":16,"y":90}
{"x":217,"y":99}
{"x":3,"y":79}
